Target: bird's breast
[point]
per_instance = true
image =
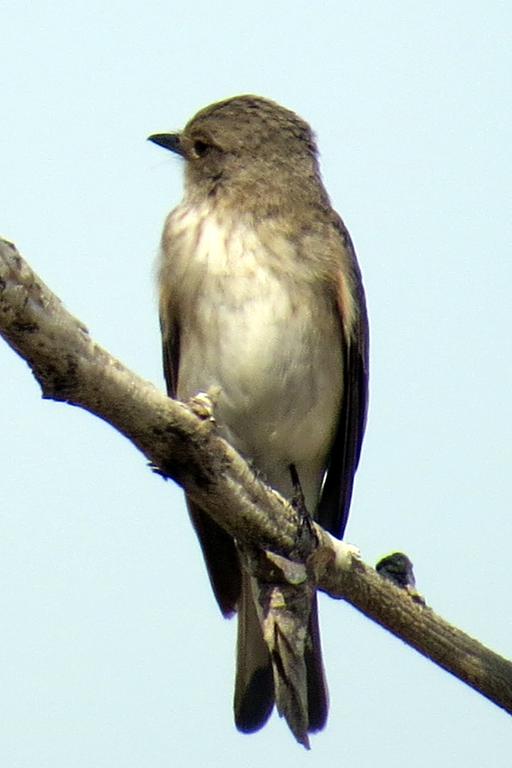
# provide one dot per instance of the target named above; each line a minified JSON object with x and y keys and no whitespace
{"x":267,"y":341}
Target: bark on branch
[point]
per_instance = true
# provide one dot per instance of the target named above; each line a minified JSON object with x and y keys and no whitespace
{"x":180,"y":442}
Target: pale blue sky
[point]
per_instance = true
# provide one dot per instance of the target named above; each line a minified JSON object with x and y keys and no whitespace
{"x":112,"y":652}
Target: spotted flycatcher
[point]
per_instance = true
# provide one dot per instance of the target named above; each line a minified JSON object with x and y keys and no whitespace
{"x":261,"y":301}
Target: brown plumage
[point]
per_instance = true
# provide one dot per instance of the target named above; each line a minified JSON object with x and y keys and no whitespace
{"x":261,"y":299}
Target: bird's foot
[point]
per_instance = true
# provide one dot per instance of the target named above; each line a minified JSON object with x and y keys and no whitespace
{"x":203,"y":404}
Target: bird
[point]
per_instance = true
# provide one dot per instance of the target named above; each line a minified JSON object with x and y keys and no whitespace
{"x":261,"y":300}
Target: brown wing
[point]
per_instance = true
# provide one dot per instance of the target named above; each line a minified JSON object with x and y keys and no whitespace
{"x":218,"y":547}
{"x":334,"y":503}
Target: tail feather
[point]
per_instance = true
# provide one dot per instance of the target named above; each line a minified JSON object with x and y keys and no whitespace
{"x":254,"y":686}
{"x":318,"y":694}
{"x":297,"y":683}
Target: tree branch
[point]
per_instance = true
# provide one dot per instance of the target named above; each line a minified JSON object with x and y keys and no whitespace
{"x":181,"y":443}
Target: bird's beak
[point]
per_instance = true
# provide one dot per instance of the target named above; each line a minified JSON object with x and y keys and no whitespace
{"x":170,"y":141}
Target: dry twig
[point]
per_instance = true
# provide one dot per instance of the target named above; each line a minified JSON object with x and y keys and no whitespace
{"x":181,"y":444}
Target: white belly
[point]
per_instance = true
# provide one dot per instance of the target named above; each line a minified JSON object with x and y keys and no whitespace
{"x":273,"y":349}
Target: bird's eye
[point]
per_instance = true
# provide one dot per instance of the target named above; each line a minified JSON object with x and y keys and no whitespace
{"x":200,"y":148}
